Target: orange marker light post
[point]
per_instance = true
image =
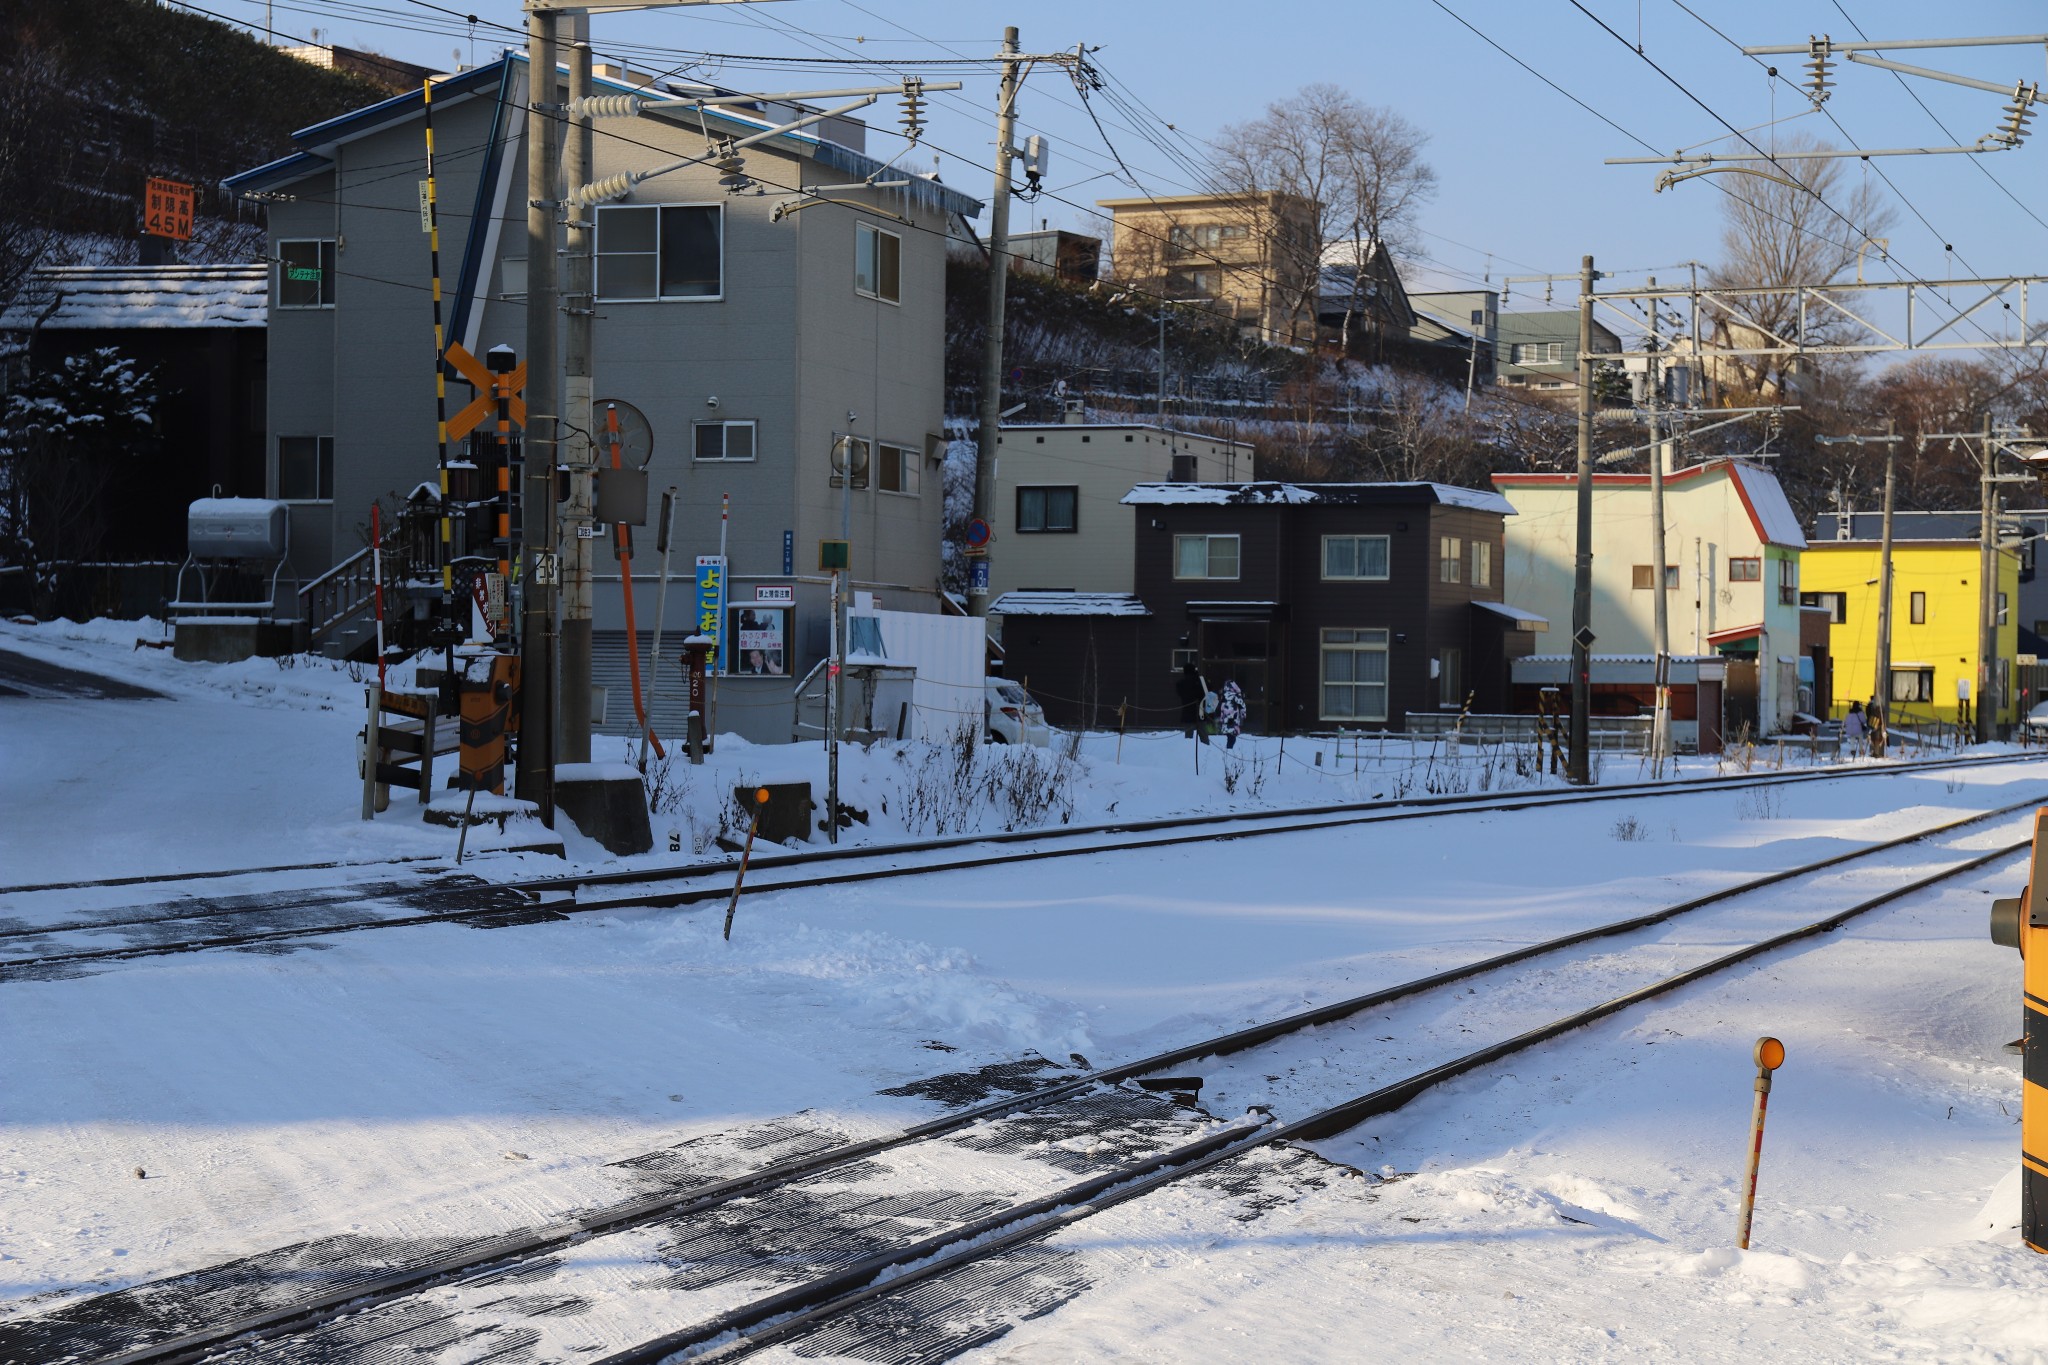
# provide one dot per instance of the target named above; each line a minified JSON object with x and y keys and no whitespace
{"x":2022,"y":922}
{"x":753,"y":826}
{"x":1770,"y":1055}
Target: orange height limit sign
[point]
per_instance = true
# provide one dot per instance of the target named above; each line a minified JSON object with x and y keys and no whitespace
{"x":167,"y":209}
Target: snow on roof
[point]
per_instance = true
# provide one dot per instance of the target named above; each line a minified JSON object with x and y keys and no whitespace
{"x":1299,"y":494}
{"x":1068,"y":604}
{"x":95,"y":297}
{"x":1776,"y":524}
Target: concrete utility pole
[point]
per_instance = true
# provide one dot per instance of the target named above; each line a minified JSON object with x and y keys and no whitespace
{"x":1883,"y":684}
{"x":1660,"y":724}
{"x":1578,"y":765}
{"x":577,"y":294}
{"x":538,"y":579}
{"x":1987,"y":596}
{"x":998,"y":279}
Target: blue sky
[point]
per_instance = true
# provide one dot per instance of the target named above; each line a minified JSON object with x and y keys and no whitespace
{"x":1522,"y":188}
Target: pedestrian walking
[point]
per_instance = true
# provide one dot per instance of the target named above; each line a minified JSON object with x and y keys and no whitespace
{"x":1854,"y":728}
{"x":1193,"y":694}
{"x":1230,"y":713}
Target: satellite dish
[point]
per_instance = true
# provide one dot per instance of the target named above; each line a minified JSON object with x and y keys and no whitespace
{"x":635,"y":437}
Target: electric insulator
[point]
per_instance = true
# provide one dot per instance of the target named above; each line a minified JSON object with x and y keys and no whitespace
{"x":607,"y":106}
{"x":2017,"y":115}
{"x":913,"y":108}
{"x":611,"y":187}
{"x":732,"y":172}
{"x":1817,"y":68}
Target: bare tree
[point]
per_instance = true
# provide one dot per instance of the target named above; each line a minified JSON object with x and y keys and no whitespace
{"x":1802,"y":221}
{"x":1358,"y":167}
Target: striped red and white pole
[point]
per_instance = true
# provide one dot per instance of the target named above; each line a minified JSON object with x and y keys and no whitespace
{"x":1770,"y":1055}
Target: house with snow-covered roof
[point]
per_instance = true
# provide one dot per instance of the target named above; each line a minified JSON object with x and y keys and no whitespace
{"x":1330,"y":605}
{"x":200,"y":329}
{"x":1730,"y":578}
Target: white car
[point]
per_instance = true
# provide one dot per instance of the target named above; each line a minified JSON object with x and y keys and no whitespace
{"x":1013,"y":718}
{"x":2037,"y":719}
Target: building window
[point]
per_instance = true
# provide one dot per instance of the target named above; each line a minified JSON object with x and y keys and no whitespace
{"x":1482,"y":564}
{"x":1745,"y":570}
{"x":660,"y":251}
{"x":898,"y":471}
{"x":1912,"y":684}
{"x":1355,"y":557}
{"x":1450,"y":676}
{"x":1450,"y":556}
{"x":1644,"y":575}
{"x":1837,"y":604}
{"x":1206,"y":235}
{"x":877,"y":263}
{"x":1537,"y":353}
{"x":1048,"y":509}
{"x":305,"y":274}
{"x":1186,"y":658}
{"x":725,"y":440}
{"x":1354,"y":683}
{"x":1916,"y":608}
{"x":1194,"y":284}
{"x":1788,"y":582}
{"x":305,"y":468}
{"x":1205,"y":556}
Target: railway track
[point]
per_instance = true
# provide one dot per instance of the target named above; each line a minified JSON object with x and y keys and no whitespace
{"x":932,"y":1237}
{"x":63,"y":947}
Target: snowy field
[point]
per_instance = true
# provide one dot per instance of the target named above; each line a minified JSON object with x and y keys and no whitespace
{"x":1577,"y":1202}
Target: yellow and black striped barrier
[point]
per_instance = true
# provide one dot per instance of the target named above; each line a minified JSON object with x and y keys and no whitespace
{"x":2022,"y":923}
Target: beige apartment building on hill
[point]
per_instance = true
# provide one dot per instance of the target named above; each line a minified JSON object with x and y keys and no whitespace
{"x":1250,"y":257}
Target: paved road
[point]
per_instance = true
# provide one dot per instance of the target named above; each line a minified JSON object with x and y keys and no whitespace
{"x":23,"y":677}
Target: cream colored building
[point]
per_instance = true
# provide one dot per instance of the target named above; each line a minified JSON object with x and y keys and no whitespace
{"x":1731,"y":573}
{"x":1253,"y":258}
{"x":1059,"y":521}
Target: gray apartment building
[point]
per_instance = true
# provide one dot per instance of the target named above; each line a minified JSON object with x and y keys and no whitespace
{"x":754,"y":329}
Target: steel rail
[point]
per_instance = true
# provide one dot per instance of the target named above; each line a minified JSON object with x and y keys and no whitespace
{"x":1313,"y":818}
{"x":1482,"y":800}
{"x":494,"y":1254}
{"x":795,"y":1310}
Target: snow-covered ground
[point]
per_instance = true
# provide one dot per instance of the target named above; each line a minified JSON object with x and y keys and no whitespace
{"x":1577,"y":1202}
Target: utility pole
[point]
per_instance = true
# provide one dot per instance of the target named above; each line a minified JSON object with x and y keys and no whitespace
{"x":1578,"y":766}
{"x":990,"y":425}
{"x":1987,"y":599}
{"x":577,"y":295}
{"x":538,"y":572}
{"x":1882,"y":695}
{"x":1162,"y":369}
{"x":1660,"y":724}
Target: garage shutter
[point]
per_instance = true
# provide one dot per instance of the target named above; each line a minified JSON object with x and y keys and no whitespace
{"x":609,"y":669}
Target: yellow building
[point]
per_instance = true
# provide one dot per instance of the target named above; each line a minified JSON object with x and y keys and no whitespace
{"x":1934,"y":622}
{"x":1252,"y":257}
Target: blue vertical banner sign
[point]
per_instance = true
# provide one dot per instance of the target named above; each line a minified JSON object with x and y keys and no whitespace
{"x":788,"y":553}
{"x":711,"y":604}
{"x":977,"y":582}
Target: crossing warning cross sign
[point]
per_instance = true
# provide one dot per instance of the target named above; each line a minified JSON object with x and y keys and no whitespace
{"x":490,"y":387}
{"x":167,"y":209}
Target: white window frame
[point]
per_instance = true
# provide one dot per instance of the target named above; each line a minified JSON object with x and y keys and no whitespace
{"x":1325,"y":645}
{"x":1209,"y":558}
{"x":597,"y":257}
{"x":1041,"y":529}
{"x":1450,"y":674}
{"x":1481,"y":575}
{"x":864,"y":233}
{"x":323,"y":452}
{"x":727,"y":424}
{"x":1450,"y":559}
{"x":1386,"y":556}
{"x":907,"y":471}
{"x":328,"y":254}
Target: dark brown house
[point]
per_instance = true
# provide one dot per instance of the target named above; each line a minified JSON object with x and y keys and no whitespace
{"x":1329,"y":604}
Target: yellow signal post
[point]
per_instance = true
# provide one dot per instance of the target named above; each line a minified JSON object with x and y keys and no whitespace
{"x":2022,"y":923}
{"x":1770,"y":1055}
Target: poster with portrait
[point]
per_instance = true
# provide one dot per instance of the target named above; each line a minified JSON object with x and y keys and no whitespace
{"x":759,"y":639}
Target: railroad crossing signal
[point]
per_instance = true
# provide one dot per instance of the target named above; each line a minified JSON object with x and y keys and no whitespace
{"x":2022,"y":923}
{"x":490,"y":387}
